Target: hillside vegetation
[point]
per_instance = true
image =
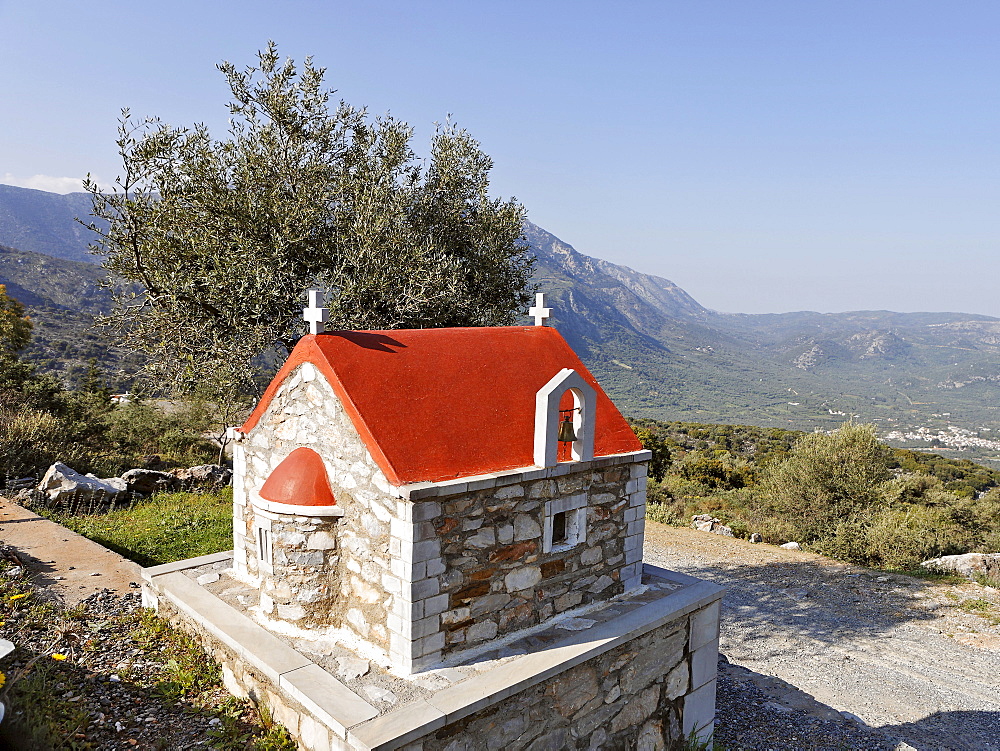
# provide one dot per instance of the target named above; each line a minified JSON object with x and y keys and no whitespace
{"x":844,"y":494}
{"x":64,"y":298}
{"x":657,"y":352}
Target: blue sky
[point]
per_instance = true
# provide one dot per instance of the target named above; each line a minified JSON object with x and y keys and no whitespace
{"x":766,"y":156}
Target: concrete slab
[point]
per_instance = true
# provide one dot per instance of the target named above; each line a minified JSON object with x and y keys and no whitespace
{"x":328,"y":699}
{"x":63,"y":561}
{"x":265,"y":652}
{"x":398,"y":728}
{"x":166,"y":568}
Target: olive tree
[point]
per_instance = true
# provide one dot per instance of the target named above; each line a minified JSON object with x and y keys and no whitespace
{"x":213,"y":243}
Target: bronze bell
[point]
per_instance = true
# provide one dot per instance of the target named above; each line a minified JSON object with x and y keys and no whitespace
{"x":566,"y":432}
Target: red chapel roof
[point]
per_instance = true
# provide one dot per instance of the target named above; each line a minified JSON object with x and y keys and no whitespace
{"x":439,"y":404}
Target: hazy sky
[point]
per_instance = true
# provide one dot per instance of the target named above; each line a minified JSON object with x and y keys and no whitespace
{"x":766,"y":156}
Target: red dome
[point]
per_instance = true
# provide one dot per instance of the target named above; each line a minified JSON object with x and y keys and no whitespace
{"x":300,"y":480}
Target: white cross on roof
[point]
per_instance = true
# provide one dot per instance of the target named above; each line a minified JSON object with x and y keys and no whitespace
{"x":539,"y":312}
{"x":315,"y":315}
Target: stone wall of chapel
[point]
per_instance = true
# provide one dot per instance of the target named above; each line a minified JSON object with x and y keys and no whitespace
{"x":306,"y":412}
{"x":494,"y":573}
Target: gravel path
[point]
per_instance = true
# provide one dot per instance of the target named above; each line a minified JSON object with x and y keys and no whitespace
{"x":61,"y":561}
{"x":104,"y":676}
{"x":822,"y":655}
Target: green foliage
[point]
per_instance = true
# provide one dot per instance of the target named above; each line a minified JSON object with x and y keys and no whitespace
{"x":15,"y":325}
{"x":31,"y":440}
{"x":89,"y":434}
{"x":826,"y":477}
{"x":222,"y":238}
{"x":139,"y":428}
{"x":52,"y":720}
{"x":165,"y":528}
{"x":843,"y":494}
{"x":43,"y":694}
{"x":653,"y":443}
{"x":719,"y":470}
{"x":185,"y":673}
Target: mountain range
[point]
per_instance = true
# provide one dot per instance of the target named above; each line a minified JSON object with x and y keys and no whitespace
{"x":656,"y":350}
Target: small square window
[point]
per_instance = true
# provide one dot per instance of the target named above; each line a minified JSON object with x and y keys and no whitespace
{"x":565,"y":523}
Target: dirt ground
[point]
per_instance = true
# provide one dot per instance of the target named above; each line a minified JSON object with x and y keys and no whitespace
{"x":919,"y":661}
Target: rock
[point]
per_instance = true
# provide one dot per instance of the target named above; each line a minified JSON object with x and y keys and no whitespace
{"x":756,"y":537}
{"x":208,"y":578}
{"x":322,"y":541}
{"x":22,"y":483}
{"x":149,"y":481}
{"x":61,"y":482}
{"x":573,"y":690}
{"x":601,"y":584}
{"x":482,"y":631}
{"x":292,"y":612}
{"x":377,"y":693}
{"x":708,"y":523}
{"x":791,"y":546}
{"x":522,"y":578}
{"x":650,"y":737}
{"x":577,"y":624}
{"x":350,"y":668}
{"x":526,"y":528}
{"x":972,"y":565}
{"x":204,"y":474}
{"x":116,"y":482}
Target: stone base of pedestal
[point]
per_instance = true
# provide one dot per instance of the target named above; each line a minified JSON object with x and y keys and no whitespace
{"x":638,"y":671}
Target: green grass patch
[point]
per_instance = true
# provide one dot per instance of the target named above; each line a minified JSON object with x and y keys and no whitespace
{"x":978,"y":606}
{"x":930,"y":575}
{"x":165,"y":528}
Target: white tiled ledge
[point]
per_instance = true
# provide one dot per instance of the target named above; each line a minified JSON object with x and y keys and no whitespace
{"x":419,"y":490}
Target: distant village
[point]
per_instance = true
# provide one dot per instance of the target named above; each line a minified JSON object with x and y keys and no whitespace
{"x":954,"y":437}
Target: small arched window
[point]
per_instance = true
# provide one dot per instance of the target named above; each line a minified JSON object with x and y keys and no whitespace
{"x":547,"y":417}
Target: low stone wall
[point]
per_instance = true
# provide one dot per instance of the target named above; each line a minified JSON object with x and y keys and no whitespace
{"x":642,"y":679}
{"x":611,"y":701}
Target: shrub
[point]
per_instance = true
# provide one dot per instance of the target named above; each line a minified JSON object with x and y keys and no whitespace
{"x":31,"y":440}
{"x":826,"y":477}
{"x":898,"y":537}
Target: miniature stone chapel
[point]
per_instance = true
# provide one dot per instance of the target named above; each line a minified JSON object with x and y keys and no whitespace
{"x":463,"y":508}
{"x":430,"y":490}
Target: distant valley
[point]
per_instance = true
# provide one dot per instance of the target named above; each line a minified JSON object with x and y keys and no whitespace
{"x":657,"y":351}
